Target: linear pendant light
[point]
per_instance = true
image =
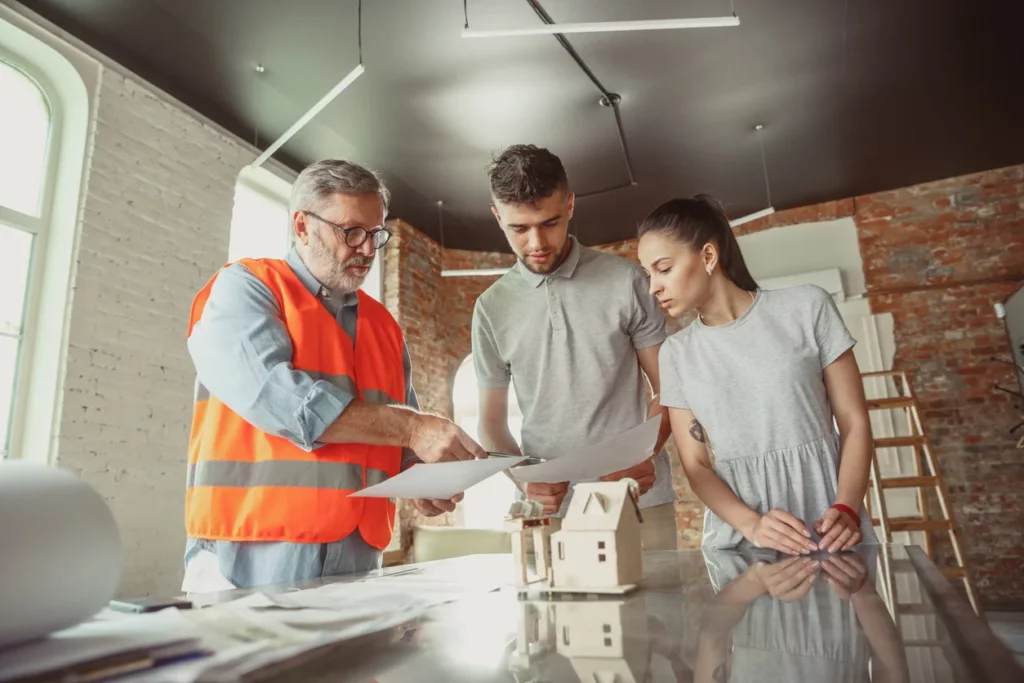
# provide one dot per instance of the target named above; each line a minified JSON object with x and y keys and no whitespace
{"x":478,"y":272}
{"x":308,"y":116}
{"x":767,"y":187}
{"x":605,"y":27}
{"x":333,"y":93}
{"x":481,"y":272}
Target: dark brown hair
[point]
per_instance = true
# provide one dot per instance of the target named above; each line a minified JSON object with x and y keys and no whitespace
{"x":695,"y":222}
{"x":524,"y":174}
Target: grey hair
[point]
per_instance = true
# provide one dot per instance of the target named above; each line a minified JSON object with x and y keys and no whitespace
{"x":321,"y":179}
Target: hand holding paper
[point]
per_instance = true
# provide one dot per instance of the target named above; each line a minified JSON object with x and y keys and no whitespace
{"x":435,"y":439}
{"x":432,"y":507}
{"x":642,"y":473}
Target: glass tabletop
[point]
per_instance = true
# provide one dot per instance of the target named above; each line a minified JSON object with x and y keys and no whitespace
{"x":877,"y":614}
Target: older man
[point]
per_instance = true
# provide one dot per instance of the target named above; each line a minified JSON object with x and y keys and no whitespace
{"x":303,"y":395}
{"x":576,"y":330}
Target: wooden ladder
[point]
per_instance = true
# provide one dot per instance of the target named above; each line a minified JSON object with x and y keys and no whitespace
{"x":924,"y":460}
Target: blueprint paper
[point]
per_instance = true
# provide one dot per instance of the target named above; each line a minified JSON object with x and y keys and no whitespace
{"x":593,"y":462}
{"x":439,"y":480}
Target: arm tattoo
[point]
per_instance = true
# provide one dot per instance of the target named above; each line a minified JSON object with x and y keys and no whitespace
{"x":697,"y":432}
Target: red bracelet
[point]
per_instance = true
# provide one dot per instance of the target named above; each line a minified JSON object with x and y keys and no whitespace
{"x":845,"y":509}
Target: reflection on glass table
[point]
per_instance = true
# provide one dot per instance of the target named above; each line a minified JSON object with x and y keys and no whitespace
{"x":877,"y":614}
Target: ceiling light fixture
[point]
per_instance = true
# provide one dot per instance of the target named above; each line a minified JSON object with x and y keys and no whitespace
{"x":605,"y":27}
{"x":767,"y":187}
{"x":324,"y":101}
{"x":481,"y":272}
{"x":475,"y":272}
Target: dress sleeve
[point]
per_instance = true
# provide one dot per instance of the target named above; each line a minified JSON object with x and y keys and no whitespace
{"x":830,"y":332}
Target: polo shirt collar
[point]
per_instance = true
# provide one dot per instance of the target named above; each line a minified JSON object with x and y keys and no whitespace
{"x":565,"y":270}
{"x":313,"y":285}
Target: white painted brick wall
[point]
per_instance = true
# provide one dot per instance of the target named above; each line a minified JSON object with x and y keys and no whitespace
{"x":155,"y":223}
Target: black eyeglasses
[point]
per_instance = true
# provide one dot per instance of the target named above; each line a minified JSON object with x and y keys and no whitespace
{"x":354,"y":237}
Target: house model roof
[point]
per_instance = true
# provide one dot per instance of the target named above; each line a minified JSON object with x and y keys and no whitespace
{"x":600,"y":506}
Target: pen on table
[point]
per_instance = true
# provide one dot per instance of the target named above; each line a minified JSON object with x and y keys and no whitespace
{"x":528,"y":458}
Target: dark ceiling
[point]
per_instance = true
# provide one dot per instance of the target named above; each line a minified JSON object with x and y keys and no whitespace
{"x":855,"y":96}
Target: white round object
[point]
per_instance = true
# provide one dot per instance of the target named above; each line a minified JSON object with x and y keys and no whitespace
{"x":61,"y":551}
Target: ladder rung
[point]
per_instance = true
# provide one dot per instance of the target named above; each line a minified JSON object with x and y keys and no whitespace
{"x":890,"y":403}
{"x":949,"y":572}
{"x":915,"y":608}
{"x":882,"y":373}
{"x":900,"y":441}
{"x":915,"y":524}
{"x":907,"y":482}
{"x":954,"y":572}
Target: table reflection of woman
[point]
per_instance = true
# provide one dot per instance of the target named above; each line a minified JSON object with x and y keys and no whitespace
{"x":779,"y":618}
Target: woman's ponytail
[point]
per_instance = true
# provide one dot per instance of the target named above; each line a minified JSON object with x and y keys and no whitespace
{"x":697,"y":221}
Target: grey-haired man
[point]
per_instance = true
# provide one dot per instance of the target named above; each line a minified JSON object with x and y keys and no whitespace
{"x":254,"y":319}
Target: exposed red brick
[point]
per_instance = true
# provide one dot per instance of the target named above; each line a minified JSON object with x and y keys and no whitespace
{"x":827,"y":211}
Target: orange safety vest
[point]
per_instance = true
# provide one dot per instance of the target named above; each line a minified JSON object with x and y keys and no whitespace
{"x":246,"y":485}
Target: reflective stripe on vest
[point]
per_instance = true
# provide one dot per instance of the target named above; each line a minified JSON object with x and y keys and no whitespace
{"x":247,"y":485}
{"x":314,"y":474}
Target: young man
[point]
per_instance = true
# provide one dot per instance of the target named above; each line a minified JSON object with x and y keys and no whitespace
{"x":573,"y":328}
{"x":304,"y":394}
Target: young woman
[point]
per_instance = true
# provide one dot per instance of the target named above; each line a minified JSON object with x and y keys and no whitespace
{"x":760,"y":379}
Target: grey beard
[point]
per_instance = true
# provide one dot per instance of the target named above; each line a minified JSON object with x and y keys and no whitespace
{"x":333,"y":275}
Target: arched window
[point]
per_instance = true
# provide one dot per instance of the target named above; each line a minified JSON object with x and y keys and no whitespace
{"x":46,"y":92}
{"x":25,"y":171}
{"x":485,"y":504}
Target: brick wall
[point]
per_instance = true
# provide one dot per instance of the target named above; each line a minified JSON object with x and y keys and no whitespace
{"x":155,"y":218}
{"x":938,"y":256}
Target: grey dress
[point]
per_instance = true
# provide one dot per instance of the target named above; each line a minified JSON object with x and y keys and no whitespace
{"x":756,"y":386}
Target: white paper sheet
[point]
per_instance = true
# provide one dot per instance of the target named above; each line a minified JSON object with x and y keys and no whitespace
{"x":61,"y":551}
{"x":593,"y":462}
{"x":438,"y":480}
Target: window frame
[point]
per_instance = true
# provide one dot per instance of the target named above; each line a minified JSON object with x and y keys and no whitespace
{"x":39,"y":227}
{"x":260,"y":181}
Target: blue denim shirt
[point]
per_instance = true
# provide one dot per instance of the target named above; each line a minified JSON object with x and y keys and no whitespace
{"x":242,"y":354}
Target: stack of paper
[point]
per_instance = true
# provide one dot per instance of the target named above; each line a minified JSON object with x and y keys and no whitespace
{"x":83,"y":653}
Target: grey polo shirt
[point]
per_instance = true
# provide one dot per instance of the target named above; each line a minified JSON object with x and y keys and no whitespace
{"x":568,"y":341}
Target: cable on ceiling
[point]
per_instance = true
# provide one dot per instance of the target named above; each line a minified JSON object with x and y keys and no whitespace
{"x":764,"y":165}
{"x":611,"y":98}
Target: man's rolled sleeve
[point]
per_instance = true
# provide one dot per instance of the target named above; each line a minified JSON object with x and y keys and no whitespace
{"x":242,"y":354}
{"x":492,"y":372}
{"x":647,"y":322}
